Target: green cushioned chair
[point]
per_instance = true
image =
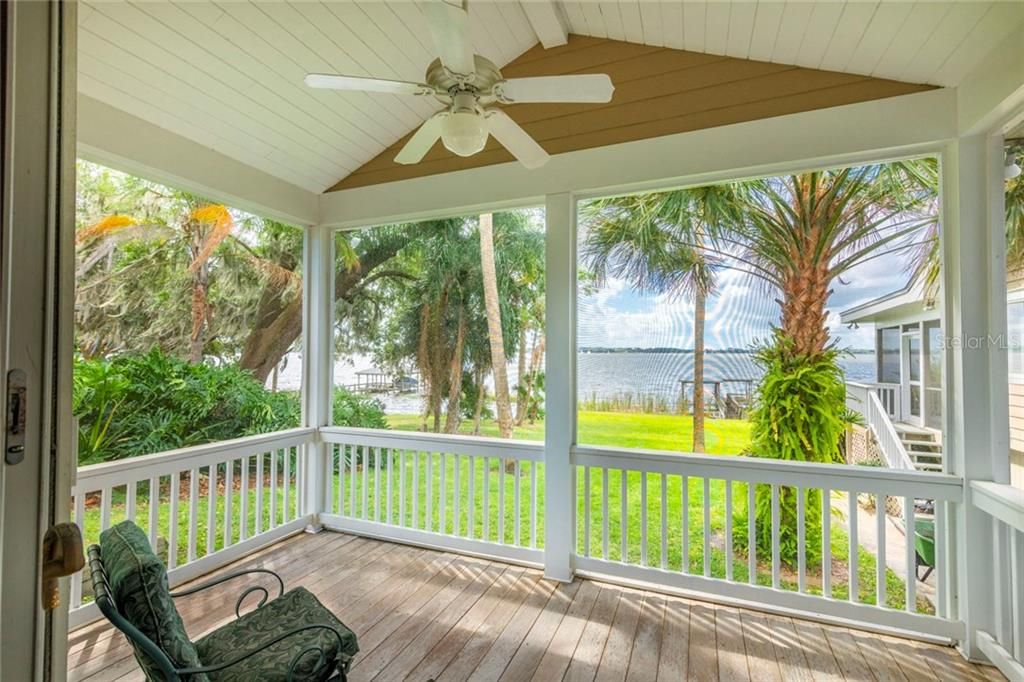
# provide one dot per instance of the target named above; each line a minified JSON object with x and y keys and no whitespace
{"x":290,"y":637}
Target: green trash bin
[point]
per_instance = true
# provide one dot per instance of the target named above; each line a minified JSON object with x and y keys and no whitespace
{"x":924,"y":545}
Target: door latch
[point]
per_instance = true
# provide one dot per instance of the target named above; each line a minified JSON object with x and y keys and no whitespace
{"x":17,"y":404}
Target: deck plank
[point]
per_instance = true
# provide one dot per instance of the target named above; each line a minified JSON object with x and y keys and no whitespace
{"x":422,"y":614}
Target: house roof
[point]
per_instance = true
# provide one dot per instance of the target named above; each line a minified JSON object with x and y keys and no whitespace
{"x":228,"y":76}
{"x":909,"y":300}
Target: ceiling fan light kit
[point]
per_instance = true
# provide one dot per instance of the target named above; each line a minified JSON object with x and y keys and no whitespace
{"x":470,"y":87}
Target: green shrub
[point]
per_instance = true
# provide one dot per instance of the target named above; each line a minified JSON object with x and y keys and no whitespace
{"x":799,"y":415}
{"x":139,"y":404}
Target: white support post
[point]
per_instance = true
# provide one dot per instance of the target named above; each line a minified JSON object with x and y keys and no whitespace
{"x":560,"y":397}
{"x":317,"y":371}
{"x":974,"y":286}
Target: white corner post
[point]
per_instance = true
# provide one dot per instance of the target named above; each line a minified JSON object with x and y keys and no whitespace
{"x":317,"y":292}
{"x":560,"y":382}
{"x":974,"y":279}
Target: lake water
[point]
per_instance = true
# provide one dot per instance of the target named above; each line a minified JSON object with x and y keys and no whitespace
{"x":606,"y":375}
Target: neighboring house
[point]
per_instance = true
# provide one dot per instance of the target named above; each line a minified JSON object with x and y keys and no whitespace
{"x":908,"y":372}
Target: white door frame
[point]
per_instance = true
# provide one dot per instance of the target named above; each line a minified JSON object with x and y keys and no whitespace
{"x":906,"y":384}
{"x":36,"y":318}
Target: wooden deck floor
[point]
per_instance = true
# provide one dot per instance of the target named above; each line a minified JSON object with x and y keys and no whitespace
{"x":424,"y":615}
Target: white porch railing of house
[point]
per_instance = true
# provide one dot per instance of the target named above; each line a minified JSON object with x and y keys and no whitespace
{"x":233,"y":498}
{"x":723,"y":486}
{"x":479,"y":496}
{"x":1005,"y":505}
{"x":879,"y":403}
{"x":484,"y":496}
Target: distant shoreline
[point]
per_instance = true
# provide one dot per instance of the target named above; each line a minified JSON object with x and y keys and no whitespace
{"x":743,"y":351}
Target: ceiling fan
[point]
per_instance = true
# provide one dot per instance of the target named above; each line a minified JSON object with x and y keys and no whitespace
{"x":470,"y":86}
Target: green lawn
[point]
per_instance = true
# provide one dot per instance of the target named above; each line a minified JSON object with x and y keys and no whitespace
{"x":369,"y":487}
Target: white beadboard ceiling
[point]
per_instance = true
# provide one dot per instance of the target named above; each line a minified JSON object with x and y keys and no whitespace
{"x":228,"y":75}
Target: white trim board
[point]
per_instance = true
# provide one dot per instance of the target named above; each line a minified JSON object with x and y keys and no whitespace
{"x":116,"y":139}
{"x":888,"y":128}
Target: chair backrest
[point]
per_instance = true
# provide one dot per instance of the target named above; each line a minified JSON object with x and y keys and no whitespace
{"x":108,"y":607}
{"x":134,"y":580}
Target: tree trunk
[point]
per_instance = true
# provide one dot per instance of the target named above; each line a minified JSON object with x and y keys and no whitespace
{"x":805,"y":294}
{"x":454,"y":416}
{"x":481,"y":395}
{"x":521,"y":380}
{"x":699,"y":304}
{"x":498,"y":363}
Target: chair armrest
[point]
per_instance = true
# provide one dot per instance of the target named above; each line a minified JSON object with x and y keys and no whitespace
{"x":322,"y":655}
{"x":231,"y":576}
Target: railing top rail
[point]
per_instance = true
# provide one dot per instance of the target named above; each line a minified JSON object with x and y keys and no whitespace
{"x":436,"y":442}
{"x":137,"y":468}
{"x":757,"y":470}
{"x":1001,"y":501}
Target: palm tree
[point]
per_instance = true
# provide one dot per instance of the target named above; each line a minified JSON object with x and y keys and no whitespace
{"x":499,"y":365}
{"x":662,"y":243}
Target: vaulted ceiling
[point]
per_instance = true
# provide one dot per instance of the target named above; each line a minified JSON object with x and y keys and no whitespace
{"x":229,"y":75}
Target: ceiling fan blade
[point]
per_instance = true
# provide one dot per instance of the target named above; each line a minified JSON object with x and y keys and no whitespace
{"x":421,"y":141}
{"x":449,"y":27}
{"x":331,"y":82}
{"x":513,"y":138}
{"x":591,"y":87}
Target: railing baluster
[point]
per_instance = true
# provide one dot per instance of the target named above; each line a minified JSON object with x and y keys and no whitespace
{"x":880,"y":564}
{"x":193,"y":512}
{"x":376,"y":484}
{"x":776,"y":539}
{"x":501,"y":501}
{"x":442,"y":495}
{"x":516,"y":473}
{"x":172,"y":521}
{"x":76,"y":578}
{"x":707,"y":527}
{"x":624,"y":516}
{"x":364,"y":464}
{"x":211,"y":509}
{"x":390,"y":505}
{"x":801,"y":541}
{"x":854,"y":544}
{"x":586,"y":511}
{"x":229,"y":493}
{"x":338,"y":452}
{"x":643,"y":518}
{"x":1017,"y":591}
{"x":487,"y":506}
{"x":664,"y":522}
{"x":273,"y":491}
{"x":752,"y":532}
{"x":259,"y":494}
{"x":533,"y":505}
{"x":352,"y":451}
{"x":243,"y":501}
{"x":910,"y":524}
{"x":154,"y":510}
{"x":287,"y":484}
{"x":685,"y":568}
{"x":415,"y":488}
{"x":401,"y":488}
{"x":105,"y":495}
{"x":429,"y":522}
{"x":941,"y":554}
{"x":604,"y":513}
{"x":471,"y":498}
{"x":130,"y":499}
{"x":728,"y":530}
{"x":826,"y":542}
{"x":299,"y":476}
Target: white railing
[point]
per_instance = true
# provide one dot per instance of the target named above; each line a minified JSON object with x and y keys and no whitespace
{"x":473,"y":495}
{"x":889,"y":441}
{"x":202,"y":507}
{"x":681,"y":521}
{"x":888,"y":394}
{"x":1005,"y":505}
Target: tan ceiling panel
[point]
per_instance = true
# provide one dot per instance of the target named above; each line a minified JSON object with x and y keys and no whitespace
{"x":659,"y":91}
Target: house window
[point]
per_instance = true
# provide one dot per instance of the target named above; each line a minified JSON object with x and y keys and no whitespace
{"x":1015,"y":335}
{"x":889,"y":355}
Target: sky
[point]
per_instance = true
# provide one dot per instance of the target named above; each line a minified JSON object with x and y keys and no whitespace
{"x":741,"y":313}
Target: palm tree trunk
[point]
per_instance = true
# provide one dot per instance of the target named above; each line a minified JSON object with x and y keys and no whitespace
{"x":699,"y":305}
{"x":481,"y":395}
{"x":498,"y":363}
{"x":453,"y":417}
